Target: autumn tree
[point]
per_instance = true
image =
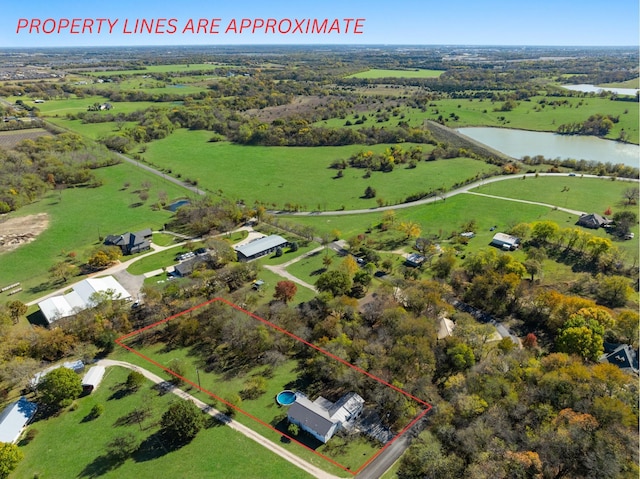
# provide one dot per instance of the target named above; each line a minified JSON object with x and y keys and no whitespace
{"x":335,"y":282}
{"x":59,"y":388}
{"x":285,"y":291}
{"x":10,"y":456}
{"x":581,"y":336}
{"x":16,"y":309}
{"x":62,"y":271}
{"x":631,"y":195}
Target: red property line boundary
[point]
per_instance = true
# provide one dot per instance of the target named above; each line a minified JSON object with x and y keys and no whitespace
{"x":427,"y":406}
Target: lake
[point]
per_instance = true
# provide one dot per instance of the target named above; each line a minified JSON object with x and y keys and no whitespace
{"x":519,"y":143}
{"x":597,"y":89}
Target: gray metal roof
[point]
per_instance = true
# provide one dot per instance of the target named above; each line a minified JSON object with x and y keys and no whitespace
{"x":14,"y":418}
{"x":263,"y":244}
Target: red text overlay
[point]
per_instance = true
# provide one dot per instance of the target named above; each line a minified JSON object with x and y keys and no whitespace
{"x":196,"y":26}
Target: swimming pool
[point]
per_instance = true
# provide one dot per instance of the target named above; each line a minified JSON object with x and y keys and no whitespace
{"x":286,"y":397}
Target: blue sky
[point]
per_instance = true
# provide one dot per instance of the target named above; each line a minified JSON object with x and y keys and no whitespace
{"x":452,"y":22}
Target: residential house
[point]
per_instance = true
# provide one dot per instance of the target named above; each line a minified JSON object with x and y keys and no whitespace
{"x":14,"y":419}
{"x":131,"y":243}
{"x":622,"y":355}
{"x":83,"y":295}
{"x":593,"y":221}
{"x":260,"y":247}
{"x":185,"y":268}
{"x":415,"y":260}
{"x":322,"y":418}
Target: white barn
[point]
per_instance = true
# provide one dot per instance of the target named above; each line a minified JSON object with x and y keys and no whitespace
{"x":81,"y":297}
{"x":505,"y":241}
{"x":14,"y":419}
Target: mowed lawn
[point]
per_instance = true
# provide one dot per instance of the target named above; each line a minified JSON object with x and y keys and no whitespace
{"x":77,"y":218}
{"x":263,"y":408}
{"x":60,"y":107}
{"x":69,"y":446}
{"x":279,"y":175}
{"x":384,"y":73}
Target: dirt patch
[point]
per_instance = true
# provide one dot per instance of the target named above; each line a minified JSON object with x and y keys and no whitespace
{"x":9,"y":139}
{"x":18,"y":231}
{"x":299,"y":106}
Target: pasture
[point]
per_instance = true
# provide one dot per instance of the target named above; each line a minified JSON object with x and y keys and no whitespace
{"x":279,"y":175}
{"x":78,"y":218}
{"x":538,"y":114}
{"x":82,"y":452}
{"x":376,"y":73}
{"x":170,"y":68}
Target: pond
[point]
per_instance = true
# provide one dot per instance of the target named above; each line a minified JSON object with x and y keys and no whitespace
{"x":597,"y":89}
{"x":519,"y":143}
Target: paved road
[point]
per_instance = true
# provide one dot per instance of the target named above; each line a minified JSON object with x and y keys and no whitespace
{"x":444,"y":196}
{"x":224,"y":419}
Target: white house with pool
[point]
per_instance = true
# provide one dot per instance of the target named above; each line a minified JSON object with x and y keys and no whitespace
{"x":322,"y":418}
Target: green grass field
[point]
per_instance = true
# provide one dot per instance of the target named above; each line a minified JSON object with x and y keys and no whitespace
{"x":277,"y":175}
{"x":60,"y":107}
{"x":68,"y":446}
{"x":382,"y":73}
{"x":77,"y":218}
{"x":634,"y":83}
{"x":192,"y":67}
{"x":264,"y":407}
{"x":527,"y":115}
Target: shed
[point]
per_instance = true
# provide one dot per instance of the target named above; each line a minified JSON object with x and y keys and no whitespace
{"x":14,"y":418}
{"x":505,"y":241}
{"x":260,"y":247}
{"x":92,"y":379}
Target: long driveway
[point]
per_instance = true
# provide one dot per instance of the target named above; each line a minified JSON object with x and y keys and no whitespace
{"x":445,"y":195}
{"x":224,"y":419}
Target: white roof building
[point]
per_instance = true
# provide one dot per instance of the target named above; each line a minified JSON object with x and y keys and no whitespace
{"x":260,"y":247}
{"x":81,"y":297}
{"x":322,"y":418}
{"x":14,"y":418}
{"x":93,"y":378}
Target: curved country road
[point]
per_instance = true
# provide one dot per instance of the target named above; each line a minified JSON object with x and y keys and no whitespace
{"x":224,"y":419}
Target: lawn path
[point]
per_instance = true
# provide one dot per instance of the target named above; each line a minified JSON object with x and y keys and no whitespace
{"x":226,"y":420}
{"x":281,"y":269}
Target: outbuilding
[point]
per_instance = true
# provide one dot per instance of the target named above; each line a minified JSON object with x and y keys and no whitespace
{"x":260,"y":247}
{"x":14,"y":419}
{"x":92,"y":379}
{"x":505,"y":242}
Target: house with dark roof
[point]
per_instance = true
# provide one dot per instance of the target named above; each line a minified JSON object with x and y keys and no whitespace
{"x":185,"y":268}
{"x":14,"y":419}
{"x":622,"y":355}
{"x":260,"y":247}
{"x":593,"y":221}
{"x":131,"y":243}
{"x":415,"y":260}
{"x":322,"y":418}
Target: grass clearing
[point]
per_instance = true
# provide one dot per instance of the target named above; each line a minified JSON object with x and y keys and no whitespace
{"x":280,"y":175}
{"x":79,"y":454}
{"x":375,"y":73}
{"x":174,"y":67}
{"x":78,"y":217}
{"x":538,"y":114}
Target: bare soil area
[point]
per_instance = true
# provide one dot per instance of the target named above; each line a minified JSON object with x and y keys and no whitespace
{"x":9,"y":139}
{"x":18,"y":231}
